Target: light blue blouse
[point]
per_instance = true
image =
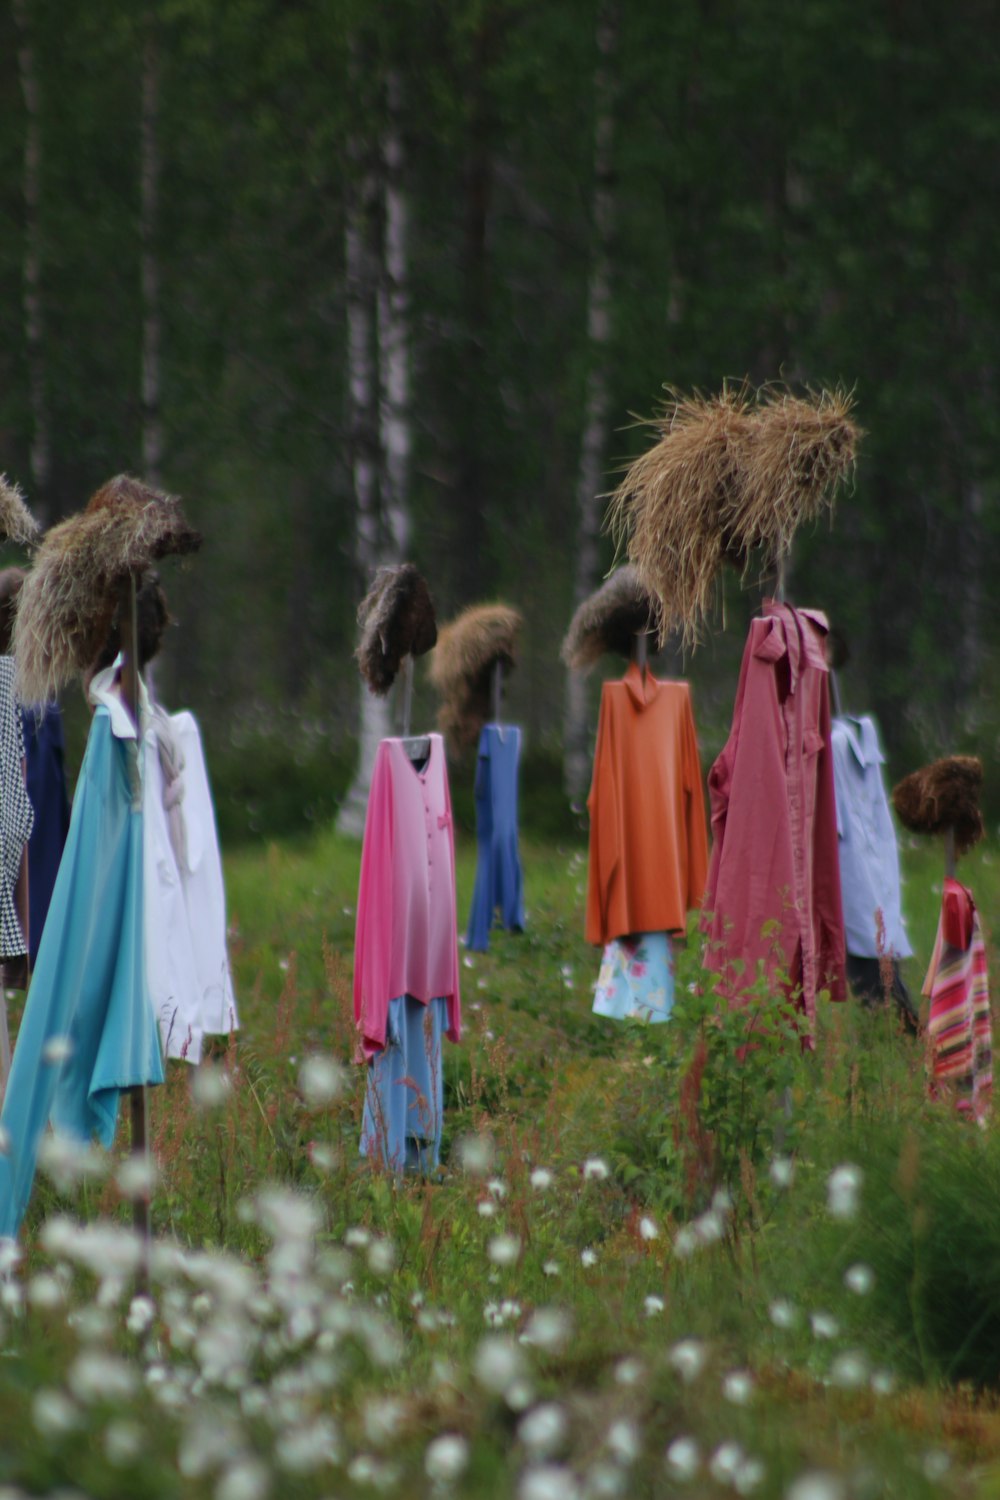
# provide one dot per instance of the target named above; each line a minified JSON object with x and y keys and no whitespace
{"x":869,"y":856}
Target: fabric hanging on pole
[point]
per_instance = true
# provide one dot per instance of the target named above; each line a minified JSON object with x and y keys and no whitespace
{"x":773,"y":898}
{"x":404,"y":1099}
{"x":648,"y":845}
{"x":959,"y":1028}
{"x":636,"y":980}
{"x":868,"y":851}
{"x":45,"y":755}
{"x":499,"y":881}
{"x":88,"y":1029}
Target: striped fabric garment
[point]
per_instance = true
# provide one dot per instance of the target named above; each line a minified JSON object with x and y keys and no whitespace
{"x":959,"y":1029}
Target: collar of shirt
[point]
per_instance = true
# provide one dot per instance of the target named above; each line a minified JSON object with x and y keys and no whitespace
{"x":103,"y":691}
{"x":642,"y":689}
{"x":862,"y":736}
{"x":795,"y":633}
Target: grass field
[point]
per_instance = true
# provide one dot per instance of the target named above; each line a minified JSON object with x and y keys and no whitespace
{"x":647,"y":1267}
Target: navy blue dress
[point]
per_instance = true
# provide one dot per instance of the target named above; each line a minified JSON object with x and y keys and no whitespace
{"x":498,"y":872}
{"x":45,"y":756}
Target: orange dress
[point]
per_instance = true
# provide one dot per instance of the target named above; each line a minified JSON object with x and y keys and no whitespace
{"x":648,"y":839}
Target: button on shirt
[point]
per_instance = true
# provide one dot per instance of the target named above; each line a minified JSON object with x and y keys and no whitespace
{"x":869,"y":856}
{"x":773,"y":893}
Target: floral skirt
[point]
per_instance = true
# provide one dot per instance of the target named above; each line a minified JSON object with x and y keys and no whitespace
{"x":636,"y":978}
{"x":404,"y":1102}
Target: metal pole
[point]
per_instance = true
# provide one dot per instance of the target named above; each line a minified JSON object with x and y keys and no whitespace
{"x":139,"y":1095}
{"x":407,"y":695}
{"x":642,"y":651}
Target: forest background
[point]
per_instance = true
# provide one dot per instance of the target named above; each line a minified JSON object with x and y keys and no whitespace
{"x":369,"y":281}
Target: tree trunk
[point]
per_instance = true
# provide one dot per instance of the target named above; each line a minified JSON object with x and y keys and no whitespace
{"x":40,"y":458}
{"x":380,"y":403}
{"x":149,"y":193}
{"x":576,"y":737}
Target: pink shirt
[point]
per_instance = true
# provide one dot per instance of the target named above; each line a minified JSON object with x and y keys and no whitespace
{"x":406,"y":939}
{"x":773,"y":894}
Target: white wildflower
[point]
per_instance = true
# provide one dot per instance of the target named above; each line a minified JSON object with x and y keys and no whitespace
{"x":95,"y":1376}
{"x":648,"y":1229}
{"x":842,"y":1188}
{"x":324,"y":1156}
{"x":137,"y":1177}
{"x":59,"y":1236}
{"x":122,"y":1442}
{"x":737,"y":1387}
{"x":382,"y":1257}
{"x":683,"y":1459}
{"x":321,"y":1080}
{"x":475,"y":1154}
{"x":69,"y":1162}
{"x":496,"y":1187}
{"x":588,"y":1257}
{"x":625,"y":1441}
{"x":860,"y":1279}
{"x":883,"y":1382}
{"x":815,"y":1484}
{"x":498,"y":1364}
{"x":541,"y":1178}
{"x":782,"y":1313}
{"x":357,"y":1237}
{"x":749,"y":1474}
{"x":141,"y":1313}
{"x":653,"y":1306}
{"x":595,"y":1169}
{"x":10,"y":1255}
{"x":849,"y":1370}
{"x":605,"y":1481}
{"x":824,"y":1325}
{"x":725,"y":1461}
{"x":211,"y":1086}
{"x":302,"y":1450}
{"x":504,"y":1249}
{"x":548,"y":1482}
{"x":209,"y":1439}
{"x":687,"y":1358}
{"x":92,"y":1325}
{"x":629,"y":1371}
{"x":286,"y":1215}
{"x":53,"y":1413}
{"x":246,"y":1479}
{"x":46,"y":1291}
{"x":543,"y":1430}
{"x":486,"y":1208}
{"x":782,"y":1171}
{"x":57,"y":1050}
{"x":383,"y":1418}
{"x":550,"y":1268}
{"x":685,"y":1242}
{"x":446,"y":1458}
{"x":708,"y":1228}
{"x":520,"y":1395}
{"x":549,"y":1328}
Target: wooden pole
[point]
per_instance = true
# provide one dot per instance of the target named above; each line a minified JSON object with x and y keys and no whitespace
{"x":497,"y":690}
{"x":407,"y":695}
{"x":139,"y":1095}
{"x":642,"y":651}
{"x":949,"y":853}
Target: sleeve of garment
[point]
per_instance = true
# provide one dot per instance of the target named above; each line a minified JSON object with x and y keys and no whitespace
{"x":697,"y":838}
{"x":603,"y":806}
{"x":956,"y":916}
{"x":831,"y":966}
{"x":373,"y":929}
{"x":838,"y":753}
{"x":454,"y":1032}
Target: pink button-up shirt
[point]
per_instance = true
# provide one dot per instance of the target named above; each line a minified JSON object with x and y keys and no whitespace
{"x":773,"y":894}
{"x":406,"y":939}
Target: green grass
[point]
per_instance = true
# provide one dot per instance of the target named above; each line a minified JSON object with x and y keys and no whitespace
{"x":880,"y":1389}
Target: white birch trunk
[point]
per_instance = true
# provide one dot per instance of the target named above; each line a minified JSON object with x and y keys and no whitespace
{"x":590,"y":477}
{"x":383,"y":512}
{"x":40,"y":457}
{"x":149,"y":195}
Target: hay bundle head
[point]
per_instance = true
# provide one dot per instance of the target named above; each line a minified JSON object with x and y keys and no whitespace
{"x":17,"y":524}
{"x":397,"y":619}
{"x":729,"y":474}
{"x":462,"y":665}
{"x":943,"y":795}
{"x":68,"y":600}
{"x":609,"y":620}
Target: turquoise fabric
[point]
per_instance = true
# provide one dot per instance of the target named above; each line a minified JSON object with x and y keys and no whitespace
{"x":636,"y":978}
{"x":89,"y":986}
{"x":404,"y":1102}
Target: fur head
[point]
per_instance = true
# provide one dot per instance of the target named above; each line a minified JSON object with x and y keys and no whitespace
{"x":462,"y":667}
{"x":67,"y":605}
{"x":397,"y":620}
{"x":609,"y":621}
{"x":943,"y":795}
{"x":17,"y":524}
{"x":11,"y":580}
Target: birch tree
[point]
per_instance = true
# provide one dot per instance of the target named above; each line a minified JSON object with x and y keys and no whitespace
{"x":379,"y":379}
{"x":590,"y":475}
{"x":34,"y":340}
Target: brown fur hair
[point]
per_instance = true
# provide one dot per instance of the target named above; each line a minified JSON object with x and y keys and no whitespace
{"x":462,"y":665}
{"x":68,"y":601}
{"x":11,"y":580}
{"x":609,"y":621}
{"x":17,"y":524}
{"x":943,"y":795}
{"x":397,"y":620}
